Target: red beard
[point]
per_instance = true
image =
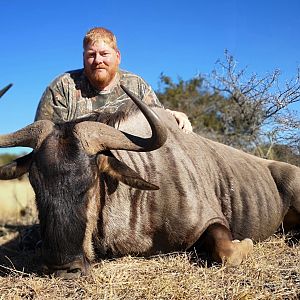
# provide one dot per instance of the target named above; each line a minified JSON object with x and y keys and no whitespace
{"x":100,"y":79}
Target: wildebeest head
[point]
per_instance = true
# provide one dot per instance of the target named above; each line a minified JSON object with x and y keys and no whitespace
{"x":65,"y":170}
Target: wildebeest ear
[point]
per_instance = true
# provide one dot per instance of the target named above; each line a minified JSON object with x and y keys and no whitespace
{"x":121,"y":172}
{"x":16,"y":168}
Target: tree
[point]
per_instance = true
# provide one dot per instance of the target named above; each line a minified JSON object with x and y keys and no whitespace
{"x":248,"y":112}
{"x":257,"y":109}
{"x":192,"y":98}
{"x":280,"y":152}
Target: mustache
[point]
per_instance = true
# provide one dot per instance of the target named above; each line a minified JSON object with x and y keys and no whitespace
{"x":98,"y":67}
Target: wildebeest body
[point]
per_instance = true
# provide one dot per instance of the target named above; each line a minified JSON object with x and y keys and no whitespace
{"x":201,"y":182}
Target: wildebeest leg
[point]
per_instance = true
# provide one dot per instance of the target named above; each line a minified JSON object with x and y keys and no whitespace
{"x":291,"y":220}
{"x":219,"y":242}
{"x":287,"y":179}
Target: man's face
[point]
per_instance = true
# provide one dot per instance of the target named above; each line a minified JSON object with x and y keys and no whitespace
{"x":101,"y":63}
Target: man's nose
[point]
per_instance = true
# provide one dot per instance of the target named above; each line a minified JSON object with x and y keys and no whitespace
{"x":98,"y":58}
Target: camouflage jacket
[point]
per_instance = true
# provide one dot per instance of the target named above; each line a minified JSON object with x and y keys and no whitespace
{"x":71,"y":96}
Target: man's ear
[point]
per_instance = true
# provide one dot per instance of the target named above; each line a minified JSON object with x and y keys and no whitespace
{"x":118,"y":55}
{"x":121,"y":172}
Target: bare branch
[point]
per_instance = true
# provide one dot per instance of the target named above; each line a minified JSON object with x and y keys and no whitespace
{"x":256,"y":102}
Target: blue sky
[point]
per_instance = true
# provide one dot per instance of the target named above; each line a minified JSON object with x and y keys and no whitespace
{"x":42,"y":39}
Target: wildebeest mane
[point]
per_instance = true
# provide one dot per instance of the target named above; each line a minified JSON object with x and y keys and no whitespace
{"x":126,"y":110}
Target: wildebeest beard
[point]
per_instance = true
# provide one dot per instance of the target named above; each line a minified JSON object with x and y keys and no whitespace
{"x":61,"y":175}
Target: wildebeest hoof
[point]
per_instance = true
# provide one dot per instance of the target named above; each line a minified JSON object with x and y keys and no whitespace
{"x":240,"y":251}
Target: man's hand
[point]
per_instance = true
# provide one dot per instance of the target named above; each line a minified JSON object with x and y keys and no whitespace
{"x":182,"y":120}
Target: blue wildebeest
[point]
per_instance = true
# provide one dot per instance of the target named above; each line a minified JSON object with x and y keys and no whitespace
{"x":5,"y":89}
{"x":95,"y":199}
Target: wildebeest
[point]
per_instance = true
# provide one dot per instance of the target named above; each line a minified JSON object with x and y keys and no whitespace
{"x":5,"y":89}
{"x":101,"y":192}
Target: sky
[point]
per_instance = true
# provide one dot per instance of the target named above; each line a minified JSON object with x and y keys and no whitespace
{"x":40,"y":40}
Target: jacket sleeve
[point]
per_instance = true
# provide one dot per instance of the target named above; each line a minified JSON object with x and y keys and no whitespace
{"x":148,"y":95}
{"x":150,"y":98}
{"x":53,"y":104}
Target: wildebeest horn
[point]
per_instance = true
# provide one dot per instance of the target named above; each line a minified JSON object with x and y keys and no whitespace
{"x":96,"y":136}
{"x":4,"y":90}
{"x":30,"y":136}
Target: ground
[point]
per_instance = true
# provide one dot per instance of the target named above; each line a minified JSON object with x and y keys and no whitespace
{"x":272,"y":272}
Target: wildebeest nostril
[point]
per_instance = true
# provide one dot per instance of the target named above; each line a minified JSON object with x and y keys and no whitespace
{"x":71,"y":270}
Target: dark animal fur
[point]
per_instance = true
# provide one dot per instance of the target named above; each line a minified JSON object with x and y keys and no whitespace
{"x":61,"y":174}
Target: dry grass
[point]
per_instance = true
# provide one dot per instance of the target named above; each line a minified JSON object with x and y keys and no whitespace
{"x":272,"y":272}
{"x":17,"y":198}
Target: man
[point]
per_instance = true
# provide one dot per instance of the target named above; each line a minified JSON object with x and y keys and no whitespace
{"x":96,"y":87}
